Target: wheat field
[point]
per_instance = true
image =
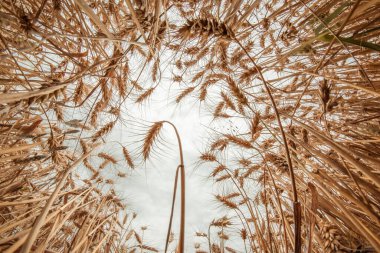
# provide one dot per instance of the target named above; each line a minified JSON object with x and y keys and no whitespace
{"x":298,"y":79}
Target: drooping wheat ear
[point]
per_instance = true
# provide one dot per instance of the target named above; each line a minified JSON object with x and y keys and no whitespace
{"x":198,"y":76}
{"x":215,"y":248}
{"x":228,"y":101}
{"x":205,"y":26}
{"x":243,"y":234}
{"x":149,"y":248}
{"x":107,"y":157}
{"x":237,"y":92}
{"x":231,"y":250}
{"x":324,"y":94}
{"x":277,"y":161}
{"x":104,"y":164}
{"x":222,"y":222}
{"x":121,"y":174}
{"x":155,"y":70}
{"x":218,"y":110}
{"x":202,"y":94}
{"x":232,"y":195}
{"x":88,"y":165}
{"x":150,"y":138}
{"x":238,"y":141}
{"x":248,"y":74}
{"x":223,"y":235}
{"x":305,"y":136}
{"x":104,"y":130}
{"x":184,"y":93}
{"x":218,"y":169}
{"x":250,"y":170}
{"x":245,"y":162}
{"x":129,"y":235}
{"x":121,"y":86}
{"x":192,"y":50}
{"x":223,"y":178}
{"x":225,"y":201}
{"x":145,"y":95}
{"x":219,"y":144}
{"x":200,"y":234}
{"x":128,"y":158}
{"x":255,"y":126}
{"x":79,"y":91}
{"x":208,"y":157}
{"x":137,"y":237}
{"x":332,"y":238}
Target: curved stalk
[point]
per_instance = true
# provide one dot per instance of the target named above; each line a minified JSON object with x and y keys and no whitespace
{"x":181,"y":167}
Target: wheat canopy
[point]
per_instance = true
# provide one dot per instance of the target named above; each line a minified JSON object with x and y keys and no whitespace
{"x":297,"y":80}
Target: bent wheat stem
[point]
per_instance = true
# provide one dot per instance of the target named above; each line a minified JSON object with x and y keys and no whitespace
{"x":296,"y":204}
